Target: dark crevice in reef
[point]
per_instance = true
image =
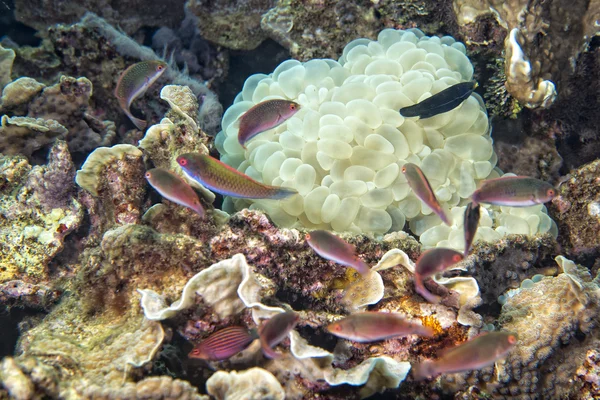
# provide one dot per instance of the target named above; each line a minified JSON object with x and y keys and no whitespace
{"x":10,"y":318}
{"x":19,"y":33}
{"x":264,"y":59}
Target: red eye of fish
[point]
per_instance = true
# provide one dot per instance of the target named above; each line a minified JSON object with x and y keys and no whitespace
{"x":457,"y":258}
{"x":403,"y":170}
{"x":551,"y":193}
{"x":512,"y":339}
{"x":147,"y":175}
{"x":292,"y":107}
{"x":195,"y":351}
{"x":182,"y":161}
{"x":159,"y":68}
{"x":307,"y":236}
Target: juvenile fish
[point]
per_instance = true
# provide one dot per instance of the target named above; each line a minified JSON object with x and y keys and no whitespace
{"x":172,"y":187}
{"x":223,"y":344}
{"x":444,"y":101}
{"x":369,"y":326}
{"x":477,"y":353}
{"x":515,"y":191}
{"x":470,"y":225}
{"x":223,"y":179}
{"x":134,"y":82}
{"x":264,"y":116}
{"x":420,"y":185}
{"x":430,"y":263}
{"x":275,"y":330}
{"x":333,"y":248}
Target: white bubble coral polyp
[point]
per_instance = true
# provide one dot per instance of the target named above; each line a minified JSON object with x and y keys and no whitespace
{"x":344,"y":149}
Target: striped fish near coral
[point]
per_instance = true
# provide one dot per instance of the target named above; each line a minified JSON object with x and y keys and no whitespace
{"x":276,"y":329}
{"x":370,"y":326}
{"x":223,"y":344}
{"x":477,"y":353}
{"x":134,"y":82}
{"x":333,"y":248}
{"x":444,"y":101}
{"x":420,"y":185}
{"x":225,"y":180}
{"x":263,"y":116}
{"x":514,"y":191}
{"x":172,"y":187}
{"x":430,"y":263}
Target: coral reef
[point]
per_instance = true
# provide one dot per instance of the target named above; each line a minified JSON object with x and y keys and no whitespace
{"x":543,"y":38}
{"x":129,"y":16}
{"x":33,"y":227}
{"x":7,"y":56}
{"x":577,"y":212}
{"x":344,"y":149}
{"x":255,"y":383}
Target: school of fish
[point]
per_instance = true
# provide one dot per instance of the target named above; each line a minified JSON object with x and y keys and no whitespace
{"x":516,"y":191}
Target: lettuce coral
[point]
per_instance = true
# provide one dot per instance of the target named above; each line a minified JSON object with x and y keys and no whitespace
{"x":343,"y":151}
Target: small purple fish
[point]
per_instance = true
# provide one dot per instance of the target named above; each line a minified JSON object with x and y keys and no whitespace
{"x":370,"y":326}
{"x":172,"y":187}
{"x":430,"y":263}
{"x":223,"y":179}
{"x":420,"y":185}
{"x":331,"y":247}
{"x":264,"y":116}
{"x":470,"y":225}
{"x":514,"y":191}
{"x":134,"y":82}
{"x":275,"y":330}
{"x":223,"y":344}
{"x":479,"y":352}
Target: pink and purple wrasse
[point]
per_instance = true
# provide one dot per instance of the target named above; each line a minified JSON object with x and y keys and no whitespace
{"x":421,"y":187}
{"x":430,"y":263}
{"x":223,"y":344}
{"x":479,"y":352}
{"x":276,"y":329}
{"x":514,"y":191}
{"x":333,"y":248}
{"x":174,"y":188}
{"x":470,"y":225}
{"x":371,"y":326}
{"x":264,"y":116}
{"x":223,"y":179}
{"x":134,"y":82}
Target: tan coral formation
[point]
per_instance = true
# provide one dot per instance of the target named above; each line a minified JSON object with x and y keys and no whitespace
{"x":542,"y":44}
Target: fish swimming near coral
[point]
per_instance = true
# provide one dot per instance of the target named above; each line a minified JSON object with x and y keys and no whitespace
{"x":479,"y":352}
{"x":223,"y":179}
{"x":275,"y":330}
{"x":134,"y":82}
{"x":223,"y":344}
{"x":172,"y":187}
{"x":370,"y":326}
{"x":470,"y":225}
{"x":264,"y":116}
{"x":444,"y":101}
{"x":430,"y":263}
{"x":420,"y":185}
{"x":333,"y":248}
{"x":514,"y":191}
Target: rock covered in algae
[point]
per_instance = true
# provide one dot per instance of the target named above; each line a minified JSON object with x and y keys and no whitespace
{"x":34,"y":225}
{"x":577,"y":210}
{"x":254,"y":383}
{"x":7,"y":56}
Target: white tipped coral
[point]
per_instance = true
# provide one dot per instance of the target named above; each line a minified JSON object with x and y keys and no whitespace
{"x":343,"y":150}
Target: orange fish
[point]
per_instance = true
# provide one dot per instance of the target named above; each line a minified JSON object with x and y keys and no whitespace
{"x":264,"y":116}
{"x":371,"y":326}
{"x":134,"y":82}
{"x":331,"y":247}
{"x":420,"y":185}
{"x":430,"y":263}
{"x":479,"y":352}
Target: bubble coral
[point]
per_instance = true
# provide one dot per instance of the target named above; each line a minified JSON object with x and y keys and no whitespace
{"x":344,"y":149}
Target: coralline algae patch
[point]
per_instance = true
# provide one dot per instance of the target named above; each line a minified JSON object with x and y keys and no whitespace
{"x":343,"y":151}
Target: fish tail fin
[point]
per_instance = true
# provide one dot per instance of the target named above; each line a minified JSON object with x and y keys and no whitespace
{"x":423,"y":370}
{"x":200,"y":210}
{"x":282,"y":193}
{"x":139,"y":123}
{"x":362,"y":268}
{"x":426,"y":294}
{"x":268,"y":350}
{"x":444,"y":216}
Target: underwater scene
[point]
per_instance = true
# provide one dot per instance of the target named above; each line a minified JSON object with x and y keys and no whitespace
{"x":300,"y":199}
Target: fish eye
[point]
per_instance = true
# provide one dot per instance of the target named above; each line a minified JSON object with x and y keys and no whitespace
{"x":403,"y":170}
{"x":551,"y":192}
{"x":512,"y":339}
{"x":308,"y":236}
{"x":148,"y":175}
{"x":457,"y":258}
{"x":159,"y":67}
{"x":182,"y":162}
{"x":292,"y":106}
{"x":195,"y":351}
